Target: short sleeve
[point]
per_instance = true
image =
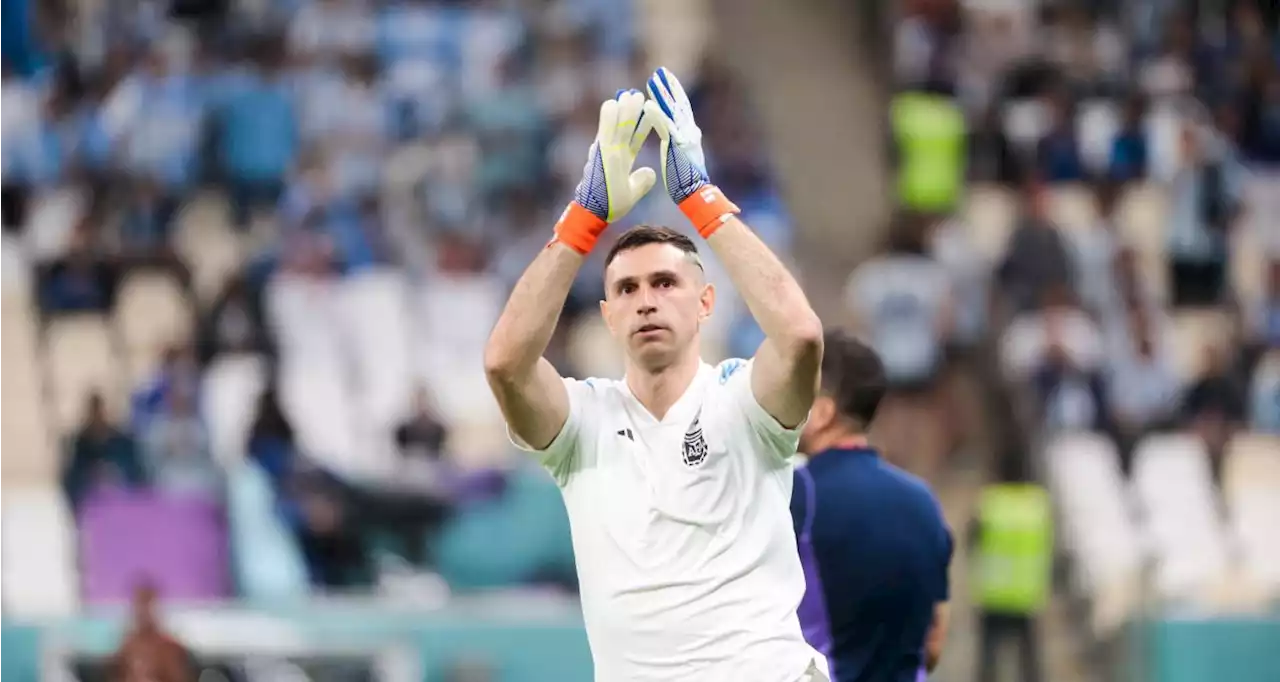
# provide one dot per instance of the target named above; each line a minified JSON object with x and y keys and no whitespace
{"x":944,"y":570}
{"x":561,"y":455}
{"x":776,"y":442}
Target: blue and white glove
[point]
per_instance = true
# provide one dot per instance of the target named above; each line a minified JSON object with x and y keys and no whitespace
{"x":684,"y":165}
{"x":609,"y":187}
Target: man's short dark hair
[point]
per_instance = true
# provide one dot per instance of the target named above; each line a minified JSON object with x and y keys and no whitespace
{"x":643,"y":235}
{"x":853,"y":376}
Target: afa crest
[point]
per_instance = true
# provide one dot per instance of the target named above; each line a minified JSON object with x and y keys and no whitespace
{"x":694,"y":449}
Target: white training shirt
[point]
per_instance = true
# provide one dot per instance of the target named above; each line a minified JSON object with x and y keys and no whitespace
{"x":682,"y":531}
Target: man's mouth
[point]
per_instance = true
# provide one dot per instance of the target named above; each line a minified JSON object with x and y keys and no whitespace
{"x":650,"y":328}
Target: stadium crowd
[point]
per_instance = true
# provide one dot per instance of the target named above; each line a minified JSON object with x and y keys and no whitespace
{"x":279,"y":232}
{"x":1119,"y":247}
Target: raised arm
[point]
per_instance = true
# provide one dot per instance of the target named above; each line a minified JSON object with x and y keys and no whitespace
{"x":530,"y":392}
{"x":785,"y":373}
{"x":528,"y":389}
{"x":786,"y":368}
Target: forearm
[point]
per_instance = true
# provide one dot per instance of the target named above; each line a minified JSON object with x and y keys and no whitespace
{"x":771,"y":293}
{"x":529,"y":319}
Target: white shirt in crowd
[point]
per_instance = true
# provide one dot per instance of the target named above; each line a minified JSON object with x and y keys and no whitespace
{"x":900,"y":300}
{"x":682,"y":531}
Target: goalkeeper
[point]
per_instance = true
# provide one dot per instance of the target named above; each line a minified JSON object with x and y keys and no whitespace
{"x":677,"y":477}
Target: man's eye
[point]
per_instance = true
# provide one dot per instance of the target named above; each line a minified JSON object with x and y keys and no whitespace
{"x":627,"y":288}
{"x":666,"y":284}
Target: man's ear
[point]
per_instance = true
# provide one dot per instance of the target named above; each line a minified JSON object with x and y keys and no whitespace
{"x":823,"y":412}
{"x":708,"y":301}
{"x":604,"y":314}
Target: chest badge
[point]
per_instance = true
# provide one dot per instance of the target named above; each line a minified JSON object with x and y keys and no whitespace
{"x":694,"y":448}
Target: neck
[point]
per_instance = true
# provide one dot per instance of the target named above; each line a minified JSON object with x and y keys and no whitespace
{"x":842,"y":439}
{"x":660,"y":389}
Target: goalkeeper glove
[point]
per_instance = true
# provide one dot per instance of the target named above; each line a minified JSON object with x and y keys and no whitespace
{"x":609,"y":188}
{"x":684,"y":165}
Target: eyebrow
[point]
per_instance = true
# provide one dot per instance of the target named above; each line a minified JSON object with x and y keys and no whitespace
{"x":656,"y":274}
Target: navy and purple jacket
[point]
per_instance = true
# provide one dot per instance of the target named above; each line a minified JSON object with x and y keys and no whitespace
{"x":875,"y":550}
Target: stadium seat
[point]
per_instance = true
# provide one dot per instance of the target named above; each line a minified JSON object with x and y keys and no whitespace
{"x":1142,"y":220}
{"x":1098,"y":531}
{"x":267,"y":562}
{"x":206,"y":240}
{"x":1174,"y":488}
{"x":39,"y":564}
{"x":990,"y":214}
{"x":1252,"y":487}
{"x":229,"y":399}
{"x":1194,"y":331}
{"x":82,"y":359}
{"x":374,"y":308}
{"x":29,"y":456}
{"x":1072,"y":208}
{"x":1025,"y":343}
{"x":454,"y":317}
{"x":315,"y":398}
{"x":152,"y":313}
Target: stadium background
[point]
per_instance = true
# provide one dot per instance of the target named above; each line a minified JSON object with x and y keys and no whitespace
{"x":264,"y":240}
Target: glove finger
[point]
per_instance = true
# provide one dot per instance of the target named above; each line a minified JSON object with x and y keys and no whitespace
{"x":660,"y":95}
{"x":605,"y":134}
{"x":630,"y":108}
{"x":679,"y":99}
{"x":655,"y":117}
{"x":641,"y":181}
{"x":643,"y":128}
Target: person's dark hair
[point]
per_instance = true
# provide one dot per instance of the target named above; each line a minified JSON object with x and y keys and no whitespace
{"x":853,"y":376}
{"x":270,"y":420}
{"x":643,"y":235}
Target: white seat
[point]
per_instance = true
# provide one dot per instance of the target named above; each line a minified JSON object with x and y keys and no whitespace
{"x":229,"y":399}
{"x":81,"y":359}
{"x":1098,"y":529}
{"x":1173,"y":485}
{"x":454,"y":317}
{"x":315,"y":398}
{"x":1251,"y":481}
{"x":39,"y":564}
{"x":374,"y":307}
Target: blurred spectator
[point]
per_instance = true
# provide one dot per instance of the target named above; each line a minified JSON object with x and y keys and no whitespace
{"x":1265,"y":321}
{"x":1096,"y":251}
{"x":1143,"y":388}
{"x":176,"y":447}
{"x":233,"y":324}
{"x":149,"y":653}
{"x":1072,"y":397}
{"x":21,"y":112}
{"x":100,"y":454}
{"x":992,"y":157}
{"x":1206,"y":198}
{"x":178,"y":373}
{"x":1129,"y":155}
{"x":155,"y":118}
{"x":1260,"y":107}
{"x":80,"y":280}
{"x":271,"y":442}
{"x":259,"y":134}
{"x":328,"y":28}
{"x":1058,"y":152}
{"x":902,"y":302}
{"x":1036,"y":260}
{"x":352,"y":137}
{"x":1265,"y":396}
{"x":929,"y":135}
{"x":1214,"y":403}
{"x":422,"y":435}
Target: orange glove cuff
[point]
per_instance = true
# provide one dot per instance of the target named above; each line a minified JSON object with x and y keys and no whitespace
{"x":707,"y":208}
{"x":579,"y":228}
